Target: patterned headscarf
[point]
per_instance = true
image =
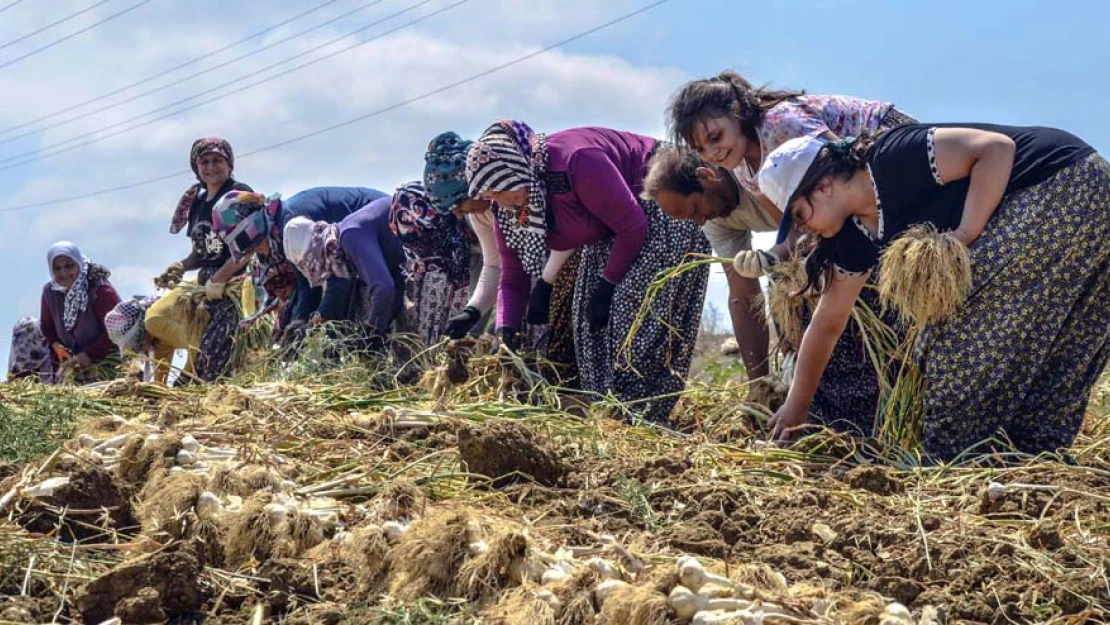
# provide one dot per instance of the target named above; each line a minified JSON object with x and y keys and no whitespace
{"x":276,"y":277}
{"x":510,"y":156}
{"x":206,"y":145}
{"x":124,"y":323}
{"x":30,"y":353}
{"x":429,"y":235}
{"x":313,"y":246}
{"x":445,"y":171}
{"x":77,"y":296}
{"x":245,"y":220}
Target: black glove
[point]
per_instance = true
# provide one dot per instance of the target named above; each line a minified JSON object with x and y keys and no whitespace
{"x":508,"y":338}
{"x":600,"y":304}
{"x":374,"y":343}
{"x":294,"y":333}
{"x":539,"y":303}
{"x":460,"y":324}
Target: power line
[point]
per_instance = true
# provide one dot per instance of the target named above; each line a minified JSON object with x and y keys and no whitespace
{"x":175,"y":83}
{"x":52,"y":24}
{"x":44,"y":152}
{"x":10,"y":5}
{"x":72,"y":35}
{"x":163,"y":73}
{"x":424,"y":96}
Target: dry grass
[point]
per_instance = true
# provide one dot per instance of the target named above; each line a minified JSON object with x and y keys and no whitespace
{"x":938,"y":525}
{"x":925,"y":275}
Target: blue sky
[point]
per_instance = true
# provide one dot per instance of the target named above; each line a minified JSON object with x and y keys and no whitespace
{"x":1019,"y":62}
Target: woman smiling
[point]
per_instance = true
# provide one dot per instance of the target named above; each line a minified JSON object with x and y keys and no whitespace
{"x":74,"y":304}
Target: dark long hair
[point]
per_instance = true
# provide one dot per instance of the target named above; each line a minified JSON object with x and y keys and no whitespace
{"x":727,"y":94}
{"x":841,"y":159}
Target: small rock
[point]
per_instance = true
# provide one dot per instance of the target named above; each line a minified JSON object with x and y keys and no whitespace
{"x":824,"y":532}
{"x":730,"y":347}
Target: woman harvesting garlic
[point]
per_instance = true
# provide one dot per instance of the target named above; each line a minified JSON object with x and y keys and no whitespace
{"x":1017,"y":358}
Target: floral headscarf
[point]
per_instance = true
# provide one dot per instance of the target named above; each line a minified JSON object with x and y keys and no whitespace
{"x":429,"y":236}
{"x":510,"y":156}
{"x":313,"y":247}
{"x":245,"y":220}
{"x":206,"y":145}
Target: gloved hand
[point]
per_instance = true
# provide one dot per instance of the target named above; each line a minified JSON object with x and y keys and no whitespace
{"x":214,"y":291}
{"x":460,"y":324}
{"x":171,"y":276}
{"x":600,"y":304}
{"x":294,"y":333}
{"x":508,"y":338}
{"x":62,"y":352}
{"x":539,"y":303}
{"x":753,"y":263}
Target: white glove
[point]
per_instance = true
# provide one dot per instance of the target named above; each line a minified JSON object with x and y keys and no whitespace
{"x":215,"y":290}
{"x":753,"y":263}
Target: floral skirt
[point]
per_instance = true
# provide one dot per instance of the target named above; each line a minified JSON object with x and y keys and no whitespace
{"x":1017,"y":361}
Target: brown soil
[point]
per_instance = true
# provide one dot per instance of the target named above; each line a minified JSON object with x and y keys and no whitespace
{"x":509,"y":451}
{"x":873,"y":479}
{"x":94,"y":504}
{"x":172,"y":572}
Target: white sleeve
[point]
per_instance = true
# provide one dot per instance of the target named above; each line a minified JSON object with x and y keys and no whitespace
{"x":555,"y":261}
{"x":484,"y":295}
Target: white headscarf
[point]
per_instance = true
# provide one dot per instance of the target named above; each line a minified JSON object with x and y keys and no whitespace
{"x":77,"y":296}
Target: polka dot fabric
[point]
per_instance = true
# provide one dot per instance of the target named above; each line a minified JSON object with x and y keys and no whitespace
{"x":658,"y":361}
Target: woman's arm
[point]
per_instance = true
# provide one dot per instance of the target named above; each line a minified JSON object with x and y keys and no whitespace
{"x":604,"y":192}
{"x":485,"y":292}
{"x":988,"y":158}
{"x":829,"y":320}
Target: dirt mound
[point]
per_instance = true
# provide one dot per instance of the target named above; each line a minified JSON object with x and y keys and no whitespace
{"x":92,"y":504}
{"x":25,"y":610}
{"x":172,"y":574}
{"x":873,"y":479}
{"x":507,"y":451}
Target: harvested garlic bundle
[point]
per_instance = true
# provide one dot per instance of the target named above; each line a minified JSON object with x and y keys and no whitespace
{"x":87,"y":441}
{"x":112,"y":443}
{"x":693,"y":575}
{"x":553,"y":576}
{"x":189,"y":443}
{"x":632,"y":564}
{"x":686,"y":603}
{"x":46,"y":487}
{"x":755,"y":615}
{"x":550,"y":599}
{"x":895,"y":614}
{"x":394,"y":530}
{"x":477,"y":548}
{"x":996,"y":490}
{"x":186,"y":458}
{"x":276,"y":512}
{"x":208,"y":505}
{"x":606,"y":588}
{"x":604,"y":569}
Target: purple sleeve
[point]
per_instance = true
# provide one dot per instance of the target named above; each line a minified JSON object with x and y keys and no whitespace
{"x":362,"y":247}
{"x":513,"y":286}
{"x":604,"y":192}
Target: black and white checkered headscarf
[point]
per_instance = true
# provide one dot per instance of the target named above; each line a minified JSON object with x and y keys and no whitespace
{"x":510,"y":156}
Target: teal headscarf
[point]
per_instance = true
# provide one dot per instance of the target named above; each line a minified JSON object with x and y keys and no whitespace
{"x":445,"y":171}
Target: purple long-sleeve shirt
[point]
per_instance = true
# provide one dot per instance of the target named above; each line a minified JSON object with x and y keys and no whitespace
{"x":594,"y":176}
